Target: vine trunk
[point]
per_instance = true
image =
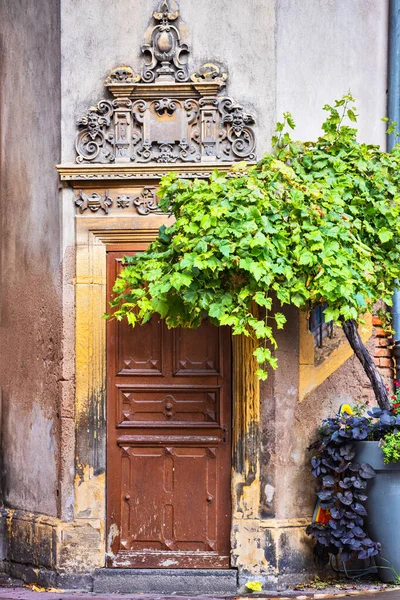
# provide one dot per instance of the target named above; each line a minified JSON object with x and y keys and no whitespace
{"x":352,"y":334}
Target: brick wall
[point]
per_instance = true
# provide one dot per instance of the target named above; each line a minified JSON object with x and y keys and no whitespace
{"x":382,"y":353}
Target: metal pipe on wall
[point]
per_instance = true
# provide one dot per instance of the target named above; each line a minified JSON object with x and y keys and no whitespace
{"x":394,"y":115}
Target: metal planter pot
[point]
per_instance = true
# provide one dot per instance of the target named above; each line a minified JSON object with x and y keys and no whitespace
{"x":383,"y":506}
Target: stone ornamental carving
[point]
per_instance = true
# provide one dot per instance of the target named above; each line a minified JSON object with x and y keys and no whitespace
{"x":210,"y":72}
{"x":147,"y":202}
{"x":166,"y":52}
{"x":143,"y":203}
{"x":123,"y":73}
{"x":93,"y":202}
{"x":123,"y":201}
{"x":165,"y":115}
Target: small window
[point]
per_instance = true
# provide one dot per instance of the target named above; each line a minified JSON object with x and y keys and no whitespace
{"x":327,"y":336}
{"x":318,"y":327}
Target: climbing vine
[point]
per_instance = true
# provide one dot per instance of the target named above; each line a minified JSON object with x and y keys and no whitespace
{"x":313,"y":222}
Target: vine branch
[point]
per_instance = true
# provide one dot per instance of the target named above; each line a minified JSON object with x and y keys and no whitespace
{"x":353,"y":336}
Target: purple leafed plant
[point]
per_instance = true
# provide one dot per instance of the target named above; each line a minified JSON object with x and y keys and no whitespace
{"x":343,"y":482}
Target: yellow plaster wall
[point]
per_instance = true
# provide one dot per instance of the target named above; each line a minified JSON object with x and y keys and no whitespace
{"x":93,"y":234}
{"x":310,"y":375}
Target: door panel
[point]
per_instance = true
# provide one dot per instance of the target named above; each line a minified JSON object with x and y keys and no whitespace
{"x":196,"y":351}
{"x":140,"y":359}
{"x":167,"y":407}
{"x":168,"y":443}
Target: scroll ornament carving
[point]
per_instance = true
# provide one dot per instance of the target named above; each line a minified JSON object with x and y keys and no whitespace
{"x":166,"y":130}
{"x":144,"y":203}
{"x":147,"y":202}
{"x":93,"y":202}
{"x":94,"y":142}
{"x":240,"y":139}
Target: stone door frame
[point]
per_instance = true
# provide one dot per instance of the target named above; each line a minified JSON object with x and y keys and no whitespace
{"x":94,"y":234}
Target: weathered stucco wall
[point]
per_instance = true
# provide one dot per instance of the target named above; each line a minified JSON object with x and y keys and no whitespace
{"x":293,"y":426}
{"x":324,"y":49}
{"x":30,"y":290}
{"x":288,"y":427}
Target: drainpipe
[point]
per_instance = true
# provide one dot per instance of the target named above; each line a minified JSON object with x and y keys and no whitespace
{"x":394,"y":115}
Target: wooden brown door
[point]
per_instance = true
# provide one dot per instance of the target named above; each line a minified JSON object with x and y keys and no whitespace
{"x":169,"y":443}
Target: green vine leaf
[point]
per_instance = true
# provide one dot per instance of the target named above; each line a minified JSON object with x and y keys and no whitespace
{"x":312,"y":223}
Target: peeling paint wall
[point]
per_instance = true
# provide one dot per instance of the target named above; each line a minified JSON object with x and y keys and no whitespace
{"x":30,"y":313}
{"x":288,"y":427}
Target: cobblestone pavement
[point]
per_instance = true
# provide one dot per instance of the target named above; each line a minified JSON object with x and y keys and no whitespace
{"x":26,"y":593}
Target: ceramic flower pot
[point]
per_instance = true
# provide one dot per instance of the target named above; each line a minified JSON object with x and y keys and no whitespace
{"x":383,"y":507}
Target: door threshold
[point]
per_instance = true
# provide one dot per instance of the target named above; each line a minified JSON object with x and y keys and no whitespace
{"x":165,"y":581}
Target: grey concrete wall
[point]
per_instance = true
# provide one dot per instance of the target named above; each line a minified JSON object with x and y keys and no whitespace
{"x":324,"y":49}
{"x":30,"y":332}
{"x":282,"y":55}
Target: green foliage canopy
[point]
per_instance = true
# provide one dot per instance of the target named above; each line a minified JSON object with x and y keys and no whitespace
{"x":312,"y":222}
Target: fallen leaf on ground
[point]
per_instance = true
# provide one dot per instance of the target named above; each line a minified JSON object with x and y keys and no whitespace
{"x":39,"y":588}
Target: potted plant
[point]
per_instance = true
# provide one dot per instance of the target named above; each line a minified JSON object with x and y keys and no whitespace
{"x":383,"y":502}
{"x":356,"y":461}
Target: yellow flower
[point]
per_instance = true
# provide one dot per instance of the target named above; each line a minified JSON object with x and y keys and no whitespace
{"x":346,"y":409}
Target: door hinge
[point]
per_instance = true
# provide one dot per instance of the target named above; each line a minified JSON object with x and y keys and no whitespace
{"x":224,"y":435}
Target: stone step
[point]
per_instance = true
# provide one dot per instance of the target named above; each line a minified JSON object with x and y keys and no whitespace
{"x":165,"y":581}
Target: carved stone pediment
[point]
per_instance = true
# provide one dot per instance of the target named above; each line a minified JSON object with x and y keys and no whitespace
{"x":165,"y":115}
{"x":166,"y":130}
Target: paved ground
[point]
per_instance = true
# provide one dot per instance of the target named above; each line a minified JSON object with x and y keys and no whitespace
{"x":363,"y":589}
{"x":26,"y":593}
